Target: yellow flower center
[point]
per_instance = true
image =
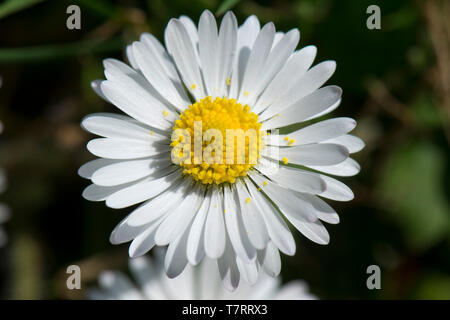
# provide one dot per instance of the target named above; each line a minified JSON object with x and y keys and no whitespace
{"x":216,"y":141}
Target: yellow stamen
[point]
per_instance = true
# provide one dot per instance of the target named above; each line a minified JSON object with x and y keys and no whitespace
{"x":220,"y":114}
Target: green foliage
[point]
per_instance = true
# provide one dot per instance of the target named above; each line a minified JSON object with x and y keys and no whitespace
{"x":411,"y":188}
{"x":11,"y":6}
{"x":225,"y":6}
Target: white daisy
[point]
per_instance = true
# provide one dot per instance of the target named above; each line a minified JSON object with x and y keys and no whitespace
{"x":244,"y":77}
{"x":194,"y":283}
{"x":4,"y":211}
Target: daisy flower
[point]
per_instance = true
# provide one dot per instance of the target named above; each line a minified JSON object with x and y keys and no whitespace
{"x":4,"y":211}
{"x":219,"y":78}
{"x":194,"y":283}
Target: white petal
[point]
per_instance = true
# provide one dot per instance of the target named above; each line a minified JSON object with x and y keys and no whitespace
{"x":294,"y":290}
{"x":294,"y":179}
{"x":228,"y":269}
{"x":130,"y":57}
{"x":179,"y":45}
{"x":158,"y":69}
{"x":190,"y":28}
{"x":306,"y":85}
{"x":208,"y":50}
{"x":161,"y":204}
{"x":336,"y":190}
{"x":305,"y":108}
{"x":87,"y":170}
{"x":270,"y":260}
{"x":298,"y":211}
{"x":123,"y":232}
{"x":96,"y":86}
{"x":178,"y":220}
{"x":145,"y":241}
{"x":318,"y":154}
{"x":256,"y":62}
{"x":275,"y":61}
{"x":235,"y":227}
{"x":347,"y":168}
{"x":276,"y":227}
{"x":291,"y":72}
{"x":141,"y":191}
{"x":98,"y":193}
{"x":121,"y":73}
{"x":195,"y":243}
{"x":113,"y":148}
{"x":247,"y":34}
{"x":136,"y":102}
{"x":111,"y":125}
{"x":352,"y":143}
{"x":323,"y":210}
{"x":176,"y":260}
{"x":248,"y":270}
{"x":323,"y":131}
{"x":253,"y":222}
{"x":227,"y":50}
{"x":215,"y":226}
{"x":128,"y":171}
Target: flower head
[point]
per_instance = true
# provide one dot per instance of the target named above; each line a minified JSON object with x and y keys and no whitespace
{"x":194,"y":283}
{"x":193,"y":147}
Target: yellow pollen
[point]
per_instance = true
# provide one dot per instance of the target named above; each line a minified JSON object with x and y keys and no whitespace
{"x":165,"y":113}
{"x":228,"y":81}
{"x":278,"y":115}
{"x":246,"y":93}
{"x":259,"y":189}
{"x":224,"y":211}
{"x":265,"y":183}
{"x":221,"y":114}
{"x":193,"y":86}
{"x":285,"y":160}
{"x":291,"y":142}
{"x":248,"y":200}
{"x":152,"y":132}
{"x":286,"y":138}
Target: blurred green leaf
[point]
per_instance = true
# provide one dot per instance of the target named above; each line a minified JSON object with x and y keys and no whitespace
{"x":58,"y":51}
{"x":426,"y":113}
{"x":402,"y":18}
{"x":412,"y":188}
{"x":11,"y":6}
{"x":101,"y":7}
{"x":225,"y":6}
{"x":434,"y":286}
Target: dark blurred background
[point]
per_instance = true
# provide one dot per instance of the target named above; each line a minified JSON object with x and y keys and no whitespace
{"x":396,"y":84}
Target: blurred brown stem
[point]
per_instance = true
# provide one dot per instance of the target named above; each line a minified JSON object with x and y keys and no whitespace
{"x":436,"y":14}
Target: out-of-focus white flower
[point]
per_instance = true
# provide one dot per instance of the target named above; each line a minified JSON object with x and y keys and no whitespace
{"x":4,"y":210}
{"x":194,"y":283}
{"x":246,"y":77}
